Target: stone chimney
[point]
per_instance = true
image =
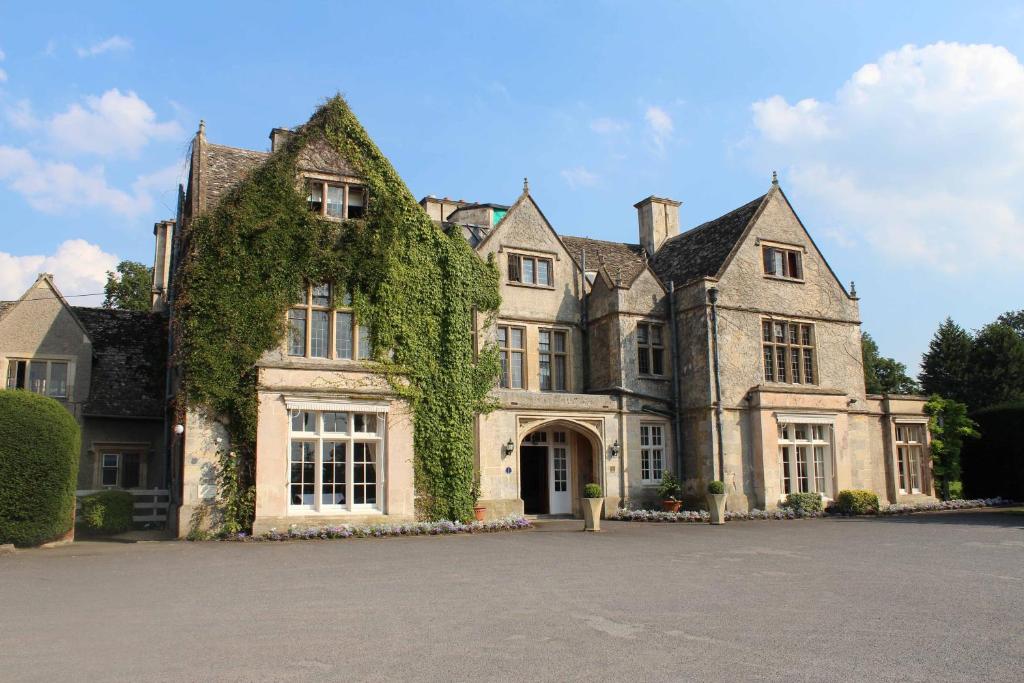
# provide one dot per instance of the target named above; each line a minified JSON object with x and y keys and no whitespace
{"x":658,"y":220}
{"x":440,"y":209}
{"x":164,"y":233}
{"x":278,"y":137}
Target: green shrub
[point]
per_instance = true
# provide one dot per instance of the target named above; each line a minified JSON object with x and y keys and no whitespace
{"x":592,"y":491}
{"x":856,"y":502}
{"x":669,"y":487}
{"x":716,"y":487}
{"x":39,"y":442}
{"x":107,"y":512}
{"x":803,"y":502}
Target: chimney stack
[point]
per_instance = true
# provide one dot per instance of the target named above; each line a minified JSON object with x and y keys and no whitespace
{"x":278,"y":137}
{"x":658,"y":220}
{"x":164,"y":233}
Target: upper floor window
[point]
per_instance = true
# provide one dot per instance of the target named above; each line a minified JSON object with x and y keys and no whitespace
{"x":511,"y":345}
{"x":650,"y":349}
{"x":47,"y":377}
{"x":553,"y":360}
{"x":336,"y":200}
{"x":530,"y":270}
{"x":785,"y":263}
{"x":323,"y":325}
{"x":788,"y":352}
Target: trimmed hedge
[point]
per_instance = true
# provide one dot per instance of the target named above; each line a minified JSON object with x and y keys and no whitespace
{"x":803,"y":502}
{"x":993,"y":465}
{"x":39,"y":443}
{"x":107,"y":512}
{"x":716,"y":488}
{"x":592,"y":491}
{"x":856,"y":502}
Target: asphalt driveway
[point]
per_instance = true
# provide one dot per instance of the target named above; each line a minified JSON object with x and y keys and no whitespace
{"x":925,"y":597}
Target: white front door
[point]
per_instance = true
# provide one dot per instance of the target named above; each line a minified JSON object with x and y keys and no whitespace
{"x":558,"y":478}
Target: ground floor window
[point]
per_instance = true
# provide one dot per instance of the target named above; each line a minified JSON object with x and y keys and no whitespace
{"x":805,"y":458}
{"x":120,"y":469}
{"x":652,"y":452}
{"x":41,"y":376}
{"x":335,"y":460}
{"x":910,"y":443}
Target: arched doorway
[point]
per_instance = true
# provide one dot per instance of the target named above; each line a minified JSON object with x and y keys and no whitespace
{"x":556,"y":459}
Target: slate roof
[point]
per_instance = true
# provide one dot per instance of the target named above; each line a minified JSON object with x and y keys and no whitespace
{"x":701,"y":251}
{"x":225,"y":167}
{"x":129,"y":362}
{"x":618,"y":258}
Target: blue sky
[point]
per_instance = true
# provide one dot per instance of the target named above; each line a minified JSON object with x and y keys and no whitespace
{"x":897,"y":129}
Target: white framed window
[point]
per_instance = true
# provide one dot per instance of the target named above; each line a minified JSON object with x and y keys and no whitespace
{"x":120,"y":469}
{"x":47,"y":377}
{"x":344,"y":200}
{"x":652,"y":452}
{"x":910,"y":456}
{"x":805,"y":458}
{"x":335,"y":460}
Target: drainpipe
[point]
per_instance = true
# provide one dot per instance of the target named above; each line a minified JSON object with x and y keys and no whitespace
{"x":677,"y":420}
{"x":713,"y":299}
{"x":584,"y":322}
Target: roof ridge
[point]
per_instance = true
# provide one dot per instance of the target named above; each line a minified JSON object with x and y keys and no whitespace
{"x":708,"y":223}
{"x":238,"y":149}
{"x":595,"y":239}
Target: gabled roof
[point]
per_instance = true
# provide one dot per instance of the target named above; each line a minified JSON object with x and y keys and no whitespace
{"x":225,"y":167}
{"x":129,"y":362}
{"x":5,"y":306}
{"x":702,"y":251}
{"x":623,"y":262}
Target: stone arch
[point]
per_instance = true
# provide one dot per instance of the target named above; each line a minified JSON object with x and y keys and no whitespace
{"x":586,"y":449}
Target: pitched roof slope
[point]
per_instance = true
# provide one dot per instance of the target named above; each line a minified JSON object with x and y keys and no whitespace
{"x":619,"y":259}
{"x":226,"y":166}
{"x":701,"y":251}
{"x":5,"y":306}
{"x":129,"y":362}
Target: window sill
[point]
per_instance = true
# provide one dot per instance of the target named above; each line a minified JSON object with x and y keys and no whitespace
{"x":527,"y":285}
{"x":781,"y":278}
{"x":296,"y":511}
{"x":653,"y":378}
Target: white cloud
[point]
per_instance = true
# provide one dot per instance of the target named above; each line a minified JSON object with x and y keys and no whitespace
{"x":919,"y":155}
{"x":111,"y":44}
{"x":608,"y":126}
{"x":3,"y":55}
{"x":110,"y":124}
{"x":3,"y":76}
{"x":20,"y":116}
{"x":59,"y":187}
{"x":579,"y":177}
{"x":79,"y":267}
{"x":660,"y":123}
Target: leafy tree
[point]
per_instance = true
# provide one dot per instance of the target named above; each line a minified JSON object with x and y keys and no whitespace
{"x":996,"y":368}
{"x":1014,"y":319}
{"x":884,"y":375}
{"x":949,"y":426}
{"x":944,"y":366}
{"x":130,"y":287}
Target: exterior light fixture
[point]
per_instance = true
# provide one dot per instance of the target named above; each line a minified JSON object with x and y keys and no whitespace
{"x":615,"y":448}
{"x":179,"y":429}
{"x":509,"y":447}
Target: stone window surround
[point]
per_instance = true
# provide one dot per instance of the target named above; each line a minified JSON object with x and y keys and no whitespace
{"x":379,"y":438}
{"x":789,"y":347}
{"x":565,"y":355}
{"x":536,"y":254}
{"x":799,"y":249}
{"x":98,"y":448}
{"x":345,"y":181}
{"x":663,"y":427}
{"x":507,"y":350}
{"x":808,"y":420}
{"x":332,"y":309}
{"x":649,"y":347}
{"x":924,"y":471}
{"x":71,"y":361}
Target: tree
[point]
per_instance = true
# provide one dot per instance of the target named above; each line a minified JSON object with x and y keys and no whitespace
{"x":130,"y":288}
{"x":884,"y":375}
{"x":996,"y":367}
{"x":1014,"y":319}
{"x":944,"y":366}
{"x":949,"y":426}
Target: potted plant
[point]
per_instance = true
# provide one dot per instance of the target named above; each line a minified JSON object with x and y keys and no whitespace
{"x":716,"y":502}
{"x":479,"y":511}
{"x":668,"y":492}
{"x":593,"y":499}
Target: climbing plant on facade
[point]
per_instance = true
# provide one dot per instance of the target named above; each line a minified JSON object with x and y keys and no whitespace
{"x":416,"y":286}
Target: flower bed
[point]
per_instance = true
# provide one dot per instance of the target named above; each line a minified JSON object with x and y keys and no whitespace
{"x":626,"y":515}
{"x":441,"y":528}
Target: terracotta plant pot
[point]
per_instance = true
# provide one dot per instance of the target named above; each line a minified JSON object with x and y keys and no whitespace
{"x":716,"y":506}
{"x":592,"y":513}
{"x":478,"y":513}
{"x":671,"y":505}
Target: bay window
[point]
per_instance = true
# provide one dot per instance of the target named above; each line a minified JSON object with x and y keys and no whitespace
{"x":650,"y":349}
{"x":805,"y":458}
{"x":910,"y":457}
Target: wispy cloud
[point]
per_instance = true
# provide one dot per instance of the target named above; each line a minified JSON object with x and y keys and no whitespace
{"x":660,"y":124}
{"x":608,"y":126}
{"x":579,"y":177}
{"x":111,"y":44}
{"x":20,"y":116}
{"x":3,"y":74}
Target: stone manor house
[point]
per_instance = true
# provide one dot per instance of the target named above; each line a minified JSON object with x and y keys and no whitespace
{"x":727,"y":351}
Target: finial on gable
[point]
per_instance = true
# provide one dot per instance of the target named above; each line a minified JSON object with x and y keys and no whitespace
{"x":775,"y":178}
{"x":202,"y":128}
{"x":526,"y":186}
{"x":853,"y":289}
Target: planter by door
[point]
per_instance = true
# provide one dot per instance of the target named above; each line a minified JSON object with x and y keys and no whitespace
{"x":479,"y":513}
{"x":716,"y":506}
{"x":671,"y":505}
{"x":592,"y":513}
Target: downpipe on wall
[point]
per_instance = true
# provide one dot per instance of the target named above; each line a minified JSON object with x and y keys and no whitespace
{"x":713,"y":300}
{"x":677,"y":420}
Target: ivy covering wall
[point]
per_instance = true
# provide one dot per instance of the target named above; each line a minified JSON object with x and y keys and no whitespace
{"x":414,"y":285}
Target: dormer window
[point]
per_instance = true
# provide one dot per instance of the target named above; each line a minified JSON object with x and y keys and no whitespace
{"x":336,"y":200}
{"x":783,"y":263}
{"x":530,"y":270}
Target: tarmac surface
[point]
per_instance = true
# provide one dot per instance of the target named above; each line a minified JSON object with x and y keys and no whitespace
{"x":927,"y":597}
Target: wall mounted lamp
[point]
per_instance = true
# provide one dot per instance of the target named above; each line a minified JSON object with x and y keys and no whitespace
{"x":509,"y":447}
{"x":615,"y":448}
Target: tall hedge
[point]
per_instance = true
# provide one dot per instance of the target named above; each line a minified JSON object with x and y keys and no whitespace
{"x":39,"y":442}
{"x":993,"y":465}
